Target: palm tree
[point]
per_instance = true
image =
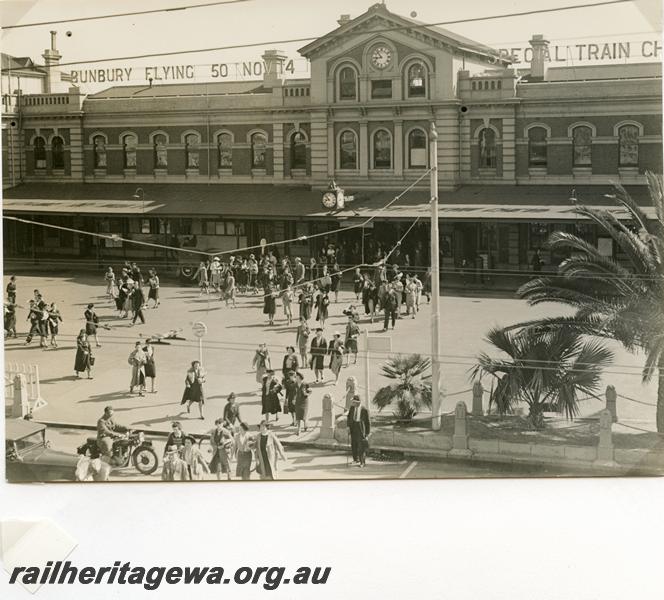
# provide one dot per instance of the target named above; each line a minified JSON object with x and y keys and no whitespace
{"x":544,"y":369}
{"x":412,"y":387}
{"x":612,"y":301}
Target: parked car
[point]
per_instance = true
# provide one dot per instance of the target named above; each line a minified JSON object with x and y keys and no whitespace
{"x":29,"y":457}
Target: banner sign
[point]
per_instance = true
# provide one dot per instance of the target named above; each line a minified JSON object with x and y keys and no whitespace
{"x":228,"y":71}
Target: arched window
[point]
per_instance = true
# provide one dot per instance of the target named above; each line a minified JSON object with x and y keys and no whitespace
{"x":382,"y":150}
{"x":258,"y":148}
{"x":40,"y":153}
{"x":191,"y":143}
{"x":628,"y":139}
{"x":225,"y":146}
{"x":58,"y":152}
{"x":347,"y":84}
{"x":348,"y":150}
{"x":487,"y":146}
{"x":417,"y":149}
{"x":99,"y":152}
{"x":160,"y":152}
{"x":298,"y":151}
{"x":129,"y":144}
{"x":537,"y":147}
{"x":582,"y":143}
{"x":417,"y":81}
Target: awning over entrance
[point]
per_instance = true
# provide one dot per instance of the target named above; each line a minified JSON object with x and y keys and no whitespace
{"x":468,"y":203}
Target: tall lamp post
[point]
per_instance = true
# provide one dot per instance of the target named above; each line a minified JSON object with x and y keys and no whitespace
{"x":435,"y":282}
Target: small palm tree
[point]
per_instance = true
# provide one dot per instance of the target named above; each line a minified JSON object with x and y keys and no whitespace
{"x":544,"y":369}
{"x":611,"y":300}
{"x":412,"y":388}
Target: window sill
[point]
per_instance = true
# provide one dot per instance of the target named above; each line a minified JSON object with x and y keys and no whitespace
{"x":160,"y":172}
{"x":628,"y":171}
{"x":129,"y":172}
{"x":487,"y":172}
{"x":348,"y":171}
{"x":258,"y":172}
{"x":192,"y":172}
{"x":298,"y":172}
{"x":100,"y":172}
{"x":537,"y":171}
{"x":224,"y":172}
{"x":582,"y":171}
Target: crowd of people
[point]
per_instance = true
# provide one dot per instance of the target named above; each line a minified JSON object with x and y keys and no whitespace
{"x":312,"y":287}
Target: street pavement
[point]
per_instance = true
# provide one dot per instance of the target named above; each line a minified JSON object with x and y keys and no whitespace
{"x":310,"y":464}
{"x":234,"y":334}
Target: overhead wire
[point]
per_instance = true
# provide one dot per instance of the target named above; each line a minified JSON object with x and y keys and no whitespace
{"x":412,"y":26}
{"x":125,"y":14}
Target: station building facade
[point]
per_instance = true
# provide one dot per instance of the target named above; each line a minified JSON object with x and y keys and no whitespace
{"x":224,"y":165}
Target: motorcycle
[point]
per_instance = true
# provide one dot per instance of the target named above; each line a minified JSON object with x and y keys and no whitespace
{"x":132,"y":447}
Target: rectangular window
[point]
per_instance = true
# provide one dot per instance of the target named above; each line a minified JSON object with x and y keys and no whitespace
{"x":210,"y":228}
{"x":538,"y":233}
{"x":381,"y":88}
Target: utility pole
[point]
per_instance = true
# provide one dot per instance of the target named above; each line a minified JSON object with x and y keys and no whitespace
{"x":435,"y":282}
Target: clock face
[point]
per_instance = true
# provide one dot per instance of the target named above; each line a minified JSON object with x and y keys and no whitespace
{"x":329,"y":200}
{"x":381,"y":57}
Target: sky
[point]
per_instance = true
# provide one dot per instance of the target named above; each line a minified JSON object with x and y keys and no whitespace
{"x":268,"y":20}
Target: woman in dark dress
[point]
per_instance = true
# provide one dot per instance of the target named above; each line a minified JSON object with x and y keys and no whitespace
{"x":84,"y":359}
{"x":91,"y":323}
{"x":302,"y":394}
{"x":322,"y":310}
{"x":306,"y":301}
{"x":54,"y":320}
{"x":270,"y":306}
{"x":193,"y":390}
{"x":150,"y":365}
{"x":270,"y":396}
{"x":335,"y":275}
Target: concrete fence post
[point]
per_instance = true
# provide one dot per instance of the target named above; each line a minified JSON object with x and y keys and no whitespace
{"x":611,"y":402}
{"x":478,"y":396}
{"x":605,"y":447}
{"x":327,"y":425}
{"x":460,"y":437}
{"x":21,"y":405}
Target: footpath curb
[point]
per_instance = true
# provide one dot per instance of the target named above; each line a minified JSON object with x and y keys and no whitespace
{"x":595,"y":469}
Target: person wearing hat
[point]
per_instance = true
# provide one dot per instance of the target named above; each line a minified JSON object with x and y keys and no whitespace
{"x":302,"y":339}
{"x":359,"y":428}
{"x":352,"y":334}
{"x":91,"y":323}
{"x":175,"y":468}
{"x":137,"y":360}
{"x":193,"y":387}
{"x":261,"y":362}
{"x":175,"y":437}
{"x":318,"y":351}
{"x":252,"y":266}
{"x":84,"y":359}
{"x":322,"y":306}
{"x":221,"y":442}
{"x":215,"y":274}
{"x":232,"y":411}
{"x":302,"y":393}
{"x":153,"y":283}
{"x":270,"y":396}
{"x":137,"y":298}
{"x":337,"y":352}
{"x":299,"y":271}
{"x":268,"y":451}
{"x":244,"y":447}
{"x":191,"y":454}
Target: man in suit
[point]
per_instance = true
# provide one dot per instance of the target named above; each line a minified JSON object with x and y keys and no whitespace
{"x":137,"y":303}
{"x":318,"y":352}
{"x":299,"y":271}
{"x":359,"y":429}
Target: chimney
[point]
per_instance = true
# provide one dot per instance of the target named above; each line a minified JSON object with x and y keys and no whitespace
{"x":51,"y":58}
{"x":273,"y":67}
{"x":540,"y":48}
{"x":343,"y":19}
